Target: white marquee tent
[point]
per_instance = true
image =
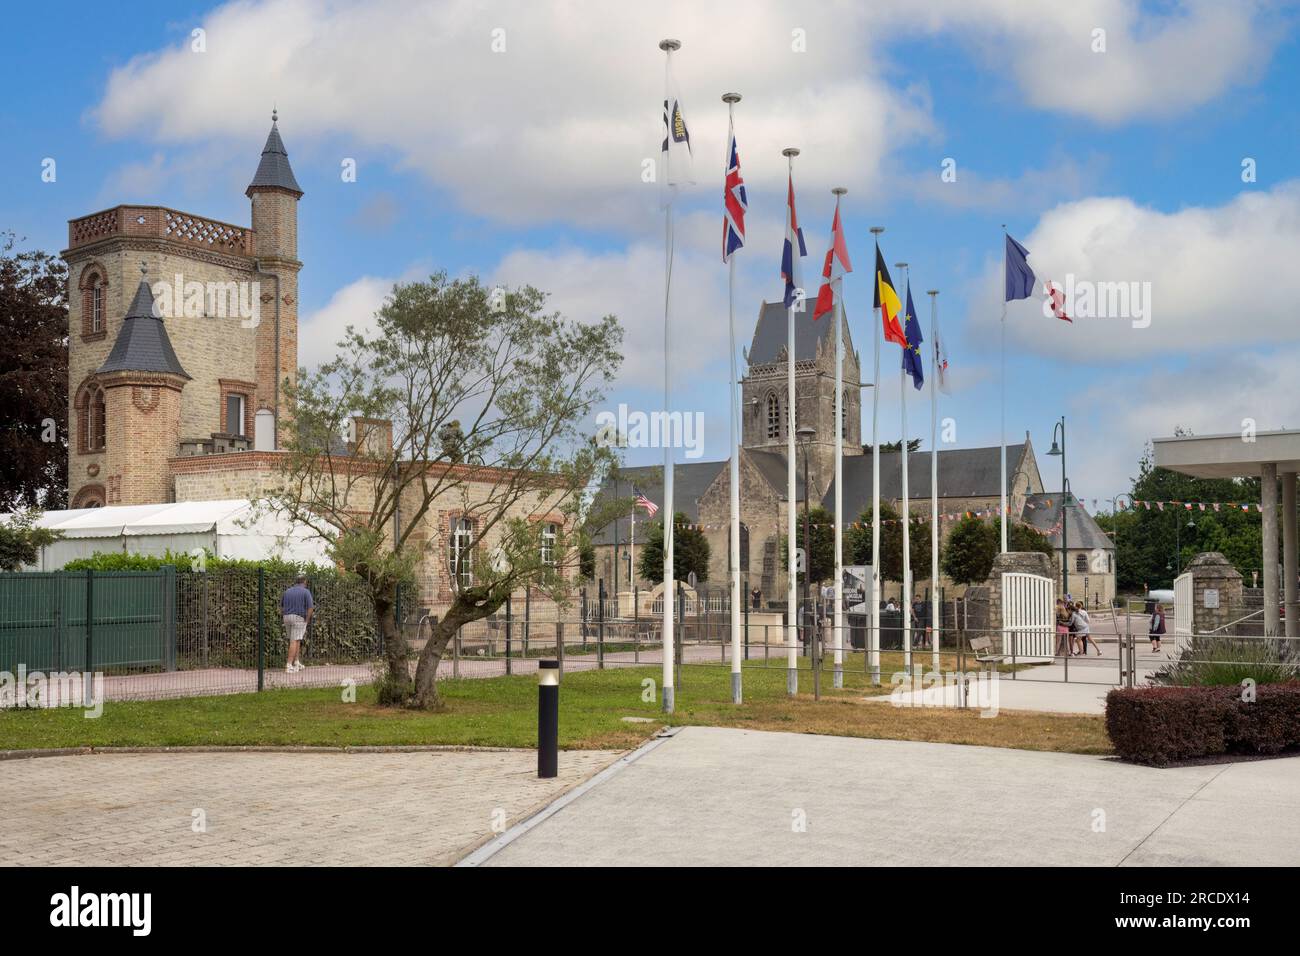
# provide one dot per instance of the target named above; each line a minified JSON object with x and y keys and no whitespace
{"x":235,"y":528}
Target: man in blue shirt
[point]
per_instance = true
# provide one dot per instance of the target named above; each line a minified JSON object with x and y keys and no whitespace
{"x":297,"y":607}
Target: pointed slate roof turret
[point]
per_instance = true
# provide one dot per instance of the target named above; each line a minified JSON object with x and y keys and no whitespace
{"x":142,"y":343}
{"x":274,"y":172}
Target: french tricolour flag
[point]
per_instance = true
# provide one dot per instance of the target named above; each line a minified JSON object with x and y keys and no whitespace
{"x":792,"y":251}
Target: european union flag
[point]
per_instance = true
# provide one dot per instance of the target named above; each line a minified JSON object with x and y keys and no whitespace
{"x":913,"y":364}
{"x":1020,"y":278}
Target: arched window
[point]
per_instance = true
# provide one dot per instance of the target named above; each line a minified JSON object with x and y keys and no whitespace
{"x":773,"y":415}
{"x":92,"y":422}
{"x":1081,"y":562}
{"x":94,"y":302}
{"x":844,"y":415}
{"x":90,"y":496}
{"x":550,"y":530}
{"x":461,"y":557}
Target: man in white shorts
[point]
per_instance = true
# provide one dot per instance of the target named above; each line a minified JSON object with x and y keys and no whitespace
{"x":297,"y":607}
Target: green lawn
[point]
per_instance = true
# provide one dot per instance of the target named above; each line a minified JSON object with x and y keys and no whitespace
{"x":502,"y":712}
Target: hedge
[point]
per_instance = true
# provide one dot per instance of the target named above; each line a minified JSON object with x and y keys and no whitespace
{"x":1163,"y":725}
{"x":216,"y":609}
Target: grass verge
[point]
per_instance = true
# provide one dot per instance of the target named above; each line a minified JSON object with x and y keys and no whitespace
{"x":502,"y":712}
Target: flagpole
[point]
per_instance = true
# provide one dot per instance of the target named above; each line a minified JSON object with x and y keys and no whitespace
{"x":936,"y":612}
{"x":731,"y":99}
{"x":873,"y":630}
{"x":669,"y":591}
{"x":838,"y":681}
{"x":906,"y":602}
{"x":1002,"y":517}
{"x":792,"y":599}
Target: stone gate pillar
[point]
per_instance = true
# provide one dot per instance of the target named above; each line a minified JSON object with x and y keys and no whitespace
{"x":1216,"y":592}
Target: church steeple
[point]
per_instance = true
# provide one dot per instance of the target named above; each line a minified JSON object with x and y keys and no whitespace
{"x":274,"y":171}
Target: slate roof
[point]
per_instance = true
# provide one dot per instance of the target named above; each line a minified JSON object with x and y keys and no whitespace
{"x":772,"y":331}
{"x":690,"y":481}
{"x":274,"y":169}
{"x":142,"y":343}
{"x":1080,"y":528}
{"x":771,"y":465}
{"x":963,"y":473}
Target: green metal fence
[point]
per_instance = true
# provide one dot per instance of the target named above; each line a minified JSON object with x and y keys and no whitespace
{"x":44,"y":624}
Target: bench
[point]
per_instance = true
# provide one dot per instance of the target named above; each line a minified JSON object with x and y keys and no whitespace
{"x":983,"y":650}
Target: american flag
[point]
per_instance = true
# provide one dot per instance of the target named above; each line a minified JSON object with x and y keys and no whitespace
{"x":645,"y":503}
{"x":734,"y":204}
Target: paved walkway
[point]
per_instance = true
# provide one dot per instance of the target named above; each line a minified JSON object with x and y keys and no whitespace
{"x":342,"y":809}
{"x":712,"y":796}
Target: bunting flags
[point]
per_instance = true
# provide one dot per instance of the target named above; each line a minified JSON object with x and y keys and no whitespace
{"x":886,"y":300}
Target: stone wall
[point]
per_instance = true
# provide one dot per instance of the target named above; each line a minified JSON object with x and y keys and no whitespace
{"x":1217,"y":597}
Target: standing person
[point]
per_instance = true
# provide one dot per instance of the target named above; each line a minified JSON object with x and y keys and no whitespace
{"x":1156,"y":629}
{"x":297,"y":606}
{"x":1084,"y":628}
{"x":756,"y":598}
{"x":1062,"y":628}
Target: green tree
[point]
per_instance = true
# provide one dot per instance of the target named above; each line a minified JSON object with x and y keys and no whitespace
{"x":21,"y":540}
{"x":857,"y":544}
{"x":443,"y":352}
{"x":690,"y":552}
{"x":33,"y":379}
{"x":822,"y":555}
{"x":969,"y":551}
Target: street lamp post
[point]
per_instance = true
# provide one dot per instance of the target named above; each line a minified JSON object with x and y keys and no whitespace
{"x":1059,"y":450}
{"x":1114,"y":516}
{"x":1178,"y":546}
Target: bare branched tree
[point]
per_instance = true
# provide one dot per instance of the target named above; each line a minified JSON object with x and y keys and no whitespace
{"x":452,"y":436}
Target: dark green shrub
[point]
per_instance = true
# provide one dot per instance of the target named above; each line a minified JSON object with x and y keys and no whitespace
{"x":1163,"y":725}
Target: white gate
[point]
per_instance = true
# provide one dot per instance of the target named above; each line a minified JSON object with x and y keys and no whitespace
{"x":1028,"y":616}
{"x":1184,"y":611}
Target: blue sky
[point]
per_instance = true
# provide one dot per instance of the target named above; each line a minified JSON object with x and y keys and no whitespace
{"x":523,"y":165}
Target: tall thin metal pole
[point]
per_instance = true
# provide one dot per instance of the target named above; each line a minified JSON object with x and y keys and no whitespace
{"x":1002,"y":401}
{"x":792,"y":595}
{"x":873,"y":630}
{"x":731,"y":99}
{"x":669,"y":685}
{"x":936,"y":612}
{"x":838,"y":620}
{"x":906,"y":603}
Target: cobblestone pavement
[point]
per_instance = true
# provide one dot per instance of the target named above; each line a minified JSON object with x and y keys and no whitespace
{"x":306,"y":808}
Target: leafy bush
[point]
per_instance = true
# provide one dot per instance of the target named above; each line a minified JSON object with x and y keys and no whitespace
{"x":1163,"y":725}
{"x":1221,"y":661}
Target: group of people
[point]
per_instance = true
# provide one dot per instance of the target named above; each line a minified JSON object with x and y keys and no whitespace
{"x":1073,"y":629}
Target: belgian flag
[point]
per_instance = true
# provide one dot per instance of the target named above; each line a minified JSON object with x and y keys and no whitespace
{"x":888,"y":304}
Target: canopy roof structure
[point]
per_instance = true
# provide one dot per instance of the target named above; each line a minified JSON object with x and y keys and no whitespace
{"x":231,"y":528}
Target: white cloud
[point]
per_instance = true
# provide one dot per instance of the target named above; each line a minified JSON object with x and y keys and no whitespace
{"x":1117,"y":413}
{"x":353,"y":304}
{"x":557,"y":125}
{"x":1220,"y":277}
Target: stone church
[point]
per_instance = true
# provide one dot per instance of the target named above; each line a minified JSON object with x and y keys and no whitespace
{"x":968,"y":477}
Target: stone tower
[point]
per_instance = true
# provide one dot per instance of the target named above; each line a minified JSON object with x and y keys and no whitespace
{"x":141,"y":382}
{"x":274,"y":193}
{"x":764,"y":413}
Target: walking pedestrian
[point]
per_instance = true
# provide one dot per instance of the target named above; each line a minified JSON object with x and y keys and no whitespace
{"x":1062,"y":628}
{"x":297,"y":606}
{"x":1083,"y":628}
{"x":1156,"y":628}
